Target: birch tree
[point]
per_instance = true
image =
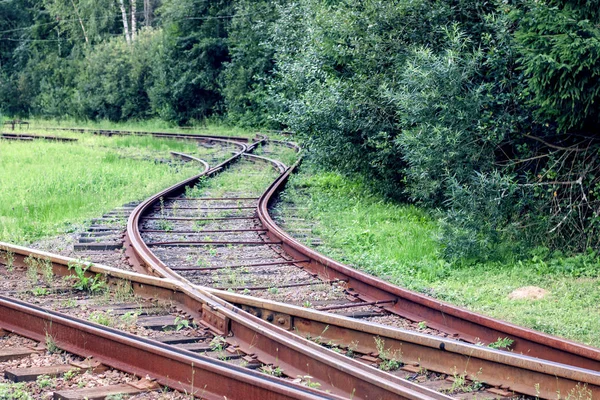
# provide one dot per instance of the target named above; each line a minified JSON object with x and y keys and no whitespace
{"x":125,"y":23}
{"x":147,"y":12}
{"x":133,"y":19}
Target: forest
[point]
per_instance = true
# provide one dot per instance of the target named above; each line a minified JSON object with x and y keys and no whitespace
{"x":484,"y":112}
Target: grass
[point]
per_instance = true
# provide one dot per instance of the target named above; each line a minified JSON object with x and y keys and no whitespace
{"x":398,"y":243}
{"x":49,"y":187}
{"x":244,"y":178}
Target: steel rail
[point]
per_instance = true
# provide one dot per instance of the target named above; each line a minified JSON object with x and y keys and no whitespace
{"x":463,"y":324}
{"x":517,"y":372}
{"x":253,"y":335}
{"x":191,"y":158}
{"x":173,"y":367}
{"x":140,"y":255}
{"x":513,"y":371}
{"x":338,"y":373}
{"x":176,"y":368}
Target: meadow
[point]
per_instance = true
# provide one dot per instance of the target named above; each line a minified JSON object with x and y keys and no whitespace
{"x":48,"y":188}
{"x":399,"y":243}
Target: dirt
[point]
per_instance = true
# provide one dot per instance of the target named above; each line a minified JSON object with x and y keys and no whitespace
{"x":528,"y":293}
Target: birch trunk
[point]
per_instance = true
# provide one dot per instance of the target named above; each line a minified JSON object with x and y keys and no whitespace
{"x":125,"y":23}
{"x":133,"y":19}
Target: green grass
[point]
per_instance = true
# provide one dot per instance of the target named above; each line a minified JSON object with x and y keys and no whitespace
{"x":49,"y":187}
{"x":398,"y":243}
{"x":244,"y":178}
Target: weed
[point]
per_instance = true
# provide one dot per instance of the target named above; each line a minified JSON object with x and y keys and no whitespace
{"x":352,"y":348}
{"x":271,"y":370}
{"x":307,"y":380}
{"x":44,"y":381}
{"x":103,"y":318}
{"x":39,"y":291}
{"x":69,"y":303}
{"x":580,"y":392}
{"x":129,"y":319}
{"x":307,"y":304}
{"x":459,"y":383}
{"x":91,"y":284}
{"x":51,"y":345}
{"x":273,"y":290}
{"x":114,"y":397}
{"x":9,"y":259}
{"x":501,"y":343}
{"x":218,"y":343}
{"x":181,"y":323}
{"x":422,"y":325}
{"x":14,"y":391}
{"x":165,"y":225}
{"x":390,"y":360}
{"x":123,"y":292}
{"x":32,"y":270}
{"x":202,"y":262}
{"x":46,"y":270}
{"x":70,"y":374}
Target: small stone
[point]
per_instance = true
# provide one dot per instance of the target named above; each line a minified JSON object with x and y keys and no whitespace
{"x":528,"y":293}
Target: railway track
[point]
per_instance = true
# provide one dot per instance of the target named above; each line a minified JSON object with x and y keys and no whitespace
{"x":214,"y":329}
{"x":201,"y":238}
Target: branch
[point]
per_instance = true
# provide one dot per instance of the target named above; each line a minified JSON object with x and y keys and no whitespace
{"x":553,"y":145}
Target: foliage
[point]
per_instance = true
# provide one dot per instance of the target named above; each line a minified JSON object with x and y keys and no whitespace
{"x":559,"y":46}
{"x":14,"y":391}
{"x":486,"y":111}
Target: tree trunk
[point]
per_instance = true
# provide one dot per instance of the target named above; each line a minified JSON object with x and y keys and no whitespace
{"x":147,"y":12}
{"x":133,"y":19}
{"x":125,"y":24}
{"x":80,"y":21}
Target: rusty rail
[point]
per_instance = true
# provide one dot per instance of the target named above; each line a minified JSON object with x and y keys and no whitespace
{"x":176,"y":368}
{"x":459,"y":322}
{"x":512,"y":371}
{"x":291,"y":352}
{"x":272,"y":345}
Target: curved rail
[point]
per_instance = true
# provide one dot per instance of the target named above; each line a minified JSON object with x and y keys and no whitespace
{"x":511,"y":371}
{"x":437,"y":354}
{"x":252,"y":335}
{"x":176,"y":368}
{"x":461,"y":323}
{"x":514,"y":372}
{"x":192,"y":158}
{"x":340,"y":373}
{"x":171,"y":135}
{"x":140,"y":255}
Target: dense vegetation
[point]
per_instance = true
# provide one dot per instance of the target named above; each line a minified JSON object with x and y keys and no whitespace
{"x":485,"y":111}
